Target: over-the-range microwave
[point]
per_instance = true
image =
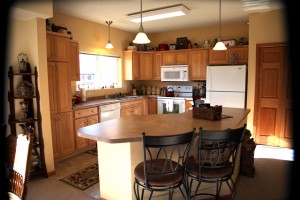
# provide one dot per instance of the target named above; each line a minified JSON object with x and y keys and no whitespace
{"x":175,"y":73}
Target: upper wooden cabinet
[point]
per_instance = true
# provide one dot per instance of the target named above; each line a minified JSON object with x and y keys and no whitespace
{"x":233,"y":55}
{"x":146,"y":66}
{"x":175,"y":58}
{"x":130,"y":65}
{"x":74,"y":60}
{"x":157,"y":63}
{"x":198,"y":60}
{"x":57,"y":47}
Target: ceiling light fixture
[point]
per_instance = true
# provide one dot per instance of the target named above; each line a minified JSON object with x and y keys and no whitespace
{"x":220,"y":45}
{"x":109,"y":45}
{"x":159,"y":13}
{"x":141,"y":37}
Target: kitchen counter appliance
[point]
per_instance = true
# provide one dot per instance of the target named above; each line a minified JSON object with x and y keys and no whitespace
{"x":109,"y":112}
{"x":175,"y":103}
{"x":175,"y":73}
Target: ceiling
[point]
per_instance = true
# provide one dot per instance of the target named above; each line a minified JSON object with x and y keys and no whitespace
{"x":201,"y":12}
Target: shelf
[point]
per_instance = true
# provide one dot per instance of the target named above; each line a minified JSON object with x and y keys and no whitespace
{"x":34,"y":118}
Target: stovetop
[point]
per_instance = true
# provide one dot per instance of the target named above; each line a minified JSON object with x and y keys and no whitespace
{"x":182,"y":90}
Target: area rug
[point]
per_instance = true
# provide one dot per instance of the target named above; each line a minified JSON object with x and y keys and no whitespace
{"x":83,"y":178}
{"x":93,"y":151}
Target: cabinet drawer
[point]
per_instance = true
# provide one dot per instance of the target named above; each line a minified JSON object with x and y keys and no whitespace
{"x":85,"y":112}
{"x":131,"y":103}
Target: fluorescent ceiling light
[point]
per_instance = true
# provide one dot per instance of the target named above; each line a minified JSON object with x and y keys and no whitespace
{"x":159,"y":13}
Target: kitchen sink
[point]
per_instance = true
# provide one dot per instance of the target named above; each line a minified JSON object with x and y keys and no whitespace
{"x":126,"y":97}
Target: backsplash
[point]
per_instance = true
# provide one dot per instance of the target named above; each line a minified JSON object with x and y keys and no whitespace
{"x":128,"y":85}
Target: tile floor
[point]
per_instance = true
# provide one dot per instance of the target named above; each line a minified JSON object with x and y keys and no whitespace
{"x":247,"y":188}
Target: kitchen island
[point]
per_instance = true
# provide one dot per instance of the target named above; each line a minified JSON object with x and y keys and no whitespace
{"x":119,"y":143}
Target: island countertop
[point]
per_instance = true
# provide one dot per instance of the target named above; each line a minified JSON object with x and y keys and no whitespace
{"x":129,"y":129}
{"x":119,"y":145}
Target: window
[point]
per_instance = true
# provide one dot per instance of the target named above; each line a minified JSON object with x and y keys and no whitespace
{"x":99,"y":71}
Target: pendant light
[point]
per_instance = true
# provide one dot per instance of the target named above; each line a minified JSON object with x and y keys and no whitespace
{"x":141,"y":37}
{"x":220,"y":45}
{"x":109,"y":45}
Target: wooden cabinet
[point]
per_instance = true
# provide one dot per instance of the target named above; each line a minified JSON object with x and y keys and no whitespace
{"x":59,"y":87}
{"x":130,"y":65}
{"x":273,"y":96}
{"x":82,"y":118}
{"x":233,"y":55}
{"x":57,"y":47}
{"x":146,"y":66}
{"x":132,"y":107}
{"x":62,"y":134}
{"x":152,"y":105}
{"x":157,"y":63}
{"x":175,"y":57}
{"x":198,"y":60}
{"x":74,"y":60}
{"x":189,"y":105}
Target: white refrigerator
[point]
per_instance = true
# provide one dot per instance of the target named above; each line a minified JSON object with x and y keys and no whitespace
{"x":226,"y":85}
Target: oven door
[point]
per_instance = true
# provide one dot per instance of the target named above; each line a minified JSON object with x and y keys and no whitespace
{"x":170,"y":105}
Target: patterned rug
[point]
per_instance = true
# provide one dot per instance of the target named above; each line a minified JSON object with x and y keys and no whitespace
{"x":84,"y":178}
{"x":93,"y":151}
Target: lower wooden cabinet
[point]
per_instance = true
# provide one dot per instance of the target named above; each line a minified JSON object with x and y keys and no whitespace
{"x":132,"y":107}
{"x":152,"y":105}
{"x":82,"y":118}
{"x":62,"y":134}
{"x":189,"y":105}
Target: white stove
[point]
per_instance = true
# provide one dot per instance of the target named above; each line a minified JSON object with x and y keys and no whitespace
{"x":176,"y":104}
{"x":182,"y":90}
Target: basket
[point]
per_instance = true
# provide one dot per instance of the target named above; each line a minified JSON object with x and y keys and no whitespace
{"x":209,"y":113}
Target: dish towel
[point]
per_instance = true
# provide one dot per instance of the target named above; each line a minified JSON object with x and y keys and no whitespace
{"x":169,"y":105}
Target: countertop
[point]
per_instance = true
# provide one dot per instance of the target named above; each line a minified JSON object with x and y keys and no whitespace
{"x":105,"y":101}
{"x":129,"y":129}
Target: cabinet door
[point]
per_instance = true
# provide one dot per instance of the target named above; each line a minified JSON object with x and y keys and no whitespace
{"x":125,"y":112}
{"x":137,"y":110}
{"x":175,"y":58}
{"x":152,"y":106}
{"x":130,"y":65}
{"x":197,"y":64}
{"x":57,"y":47}
{"x":74,"y":60}
{"x":62,"y":134}
{"x":233,"y":55}
{"x":217,"y":57}
{"x":52,"y":87}
{"x":59,"y":87}
{"x":238,"y":55}
{"x":146,"y":66}
{"x":93,"y":120}
{"x":157,"y":63}
{"x":80,"y":141}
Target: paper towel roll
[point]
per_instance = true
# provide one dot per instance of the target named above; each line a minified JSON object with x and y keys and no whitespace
{"x":83,"y":94}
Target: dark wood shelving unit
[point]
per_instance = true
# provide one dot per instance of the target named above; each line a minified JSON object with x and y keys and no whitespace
{"x":33,"y":119}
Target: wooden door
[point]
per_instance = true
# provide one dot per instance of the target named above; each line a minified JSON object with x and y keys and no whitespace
{"x":273,"y":107}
